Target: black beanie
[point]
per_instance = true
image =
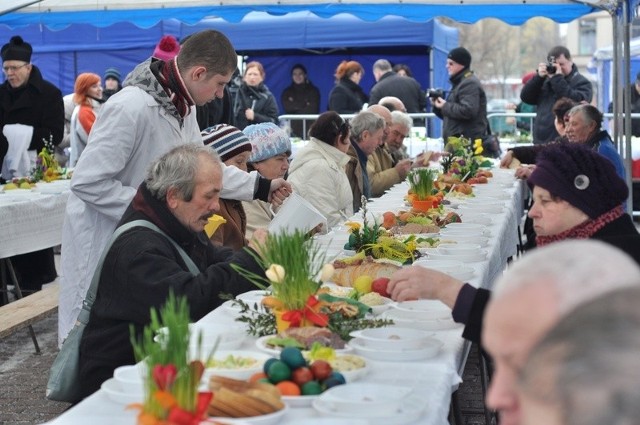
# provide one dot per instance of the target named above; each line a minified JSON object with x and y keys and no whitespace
{"x":460,"y":55}
{"x":16,"y":50}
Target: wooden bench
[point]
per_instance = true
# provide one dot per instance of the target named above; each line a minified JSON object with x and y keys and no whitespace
{"x":28,"y":310}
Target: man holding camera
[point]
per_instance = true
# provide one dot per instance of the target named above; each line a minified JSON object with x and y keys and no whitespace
{"x":556,"y":78}
{"x":464,"y":112}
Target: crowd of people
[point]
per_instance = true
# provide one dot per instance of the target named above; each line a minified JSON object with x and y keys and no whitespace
{"x":184,"y":136}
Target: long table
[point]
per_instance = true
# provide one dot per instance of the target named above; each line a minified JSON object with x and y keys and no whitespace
{"x":433,"y":380}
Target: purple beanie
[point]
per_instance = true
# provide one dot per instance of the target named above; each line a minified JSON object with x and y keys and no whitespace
{"x":580,"y":176}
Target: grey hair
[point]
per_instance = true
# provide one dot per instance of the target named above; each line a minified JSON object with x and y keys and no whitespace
{"x":589,"y":113}
{"x":178,"y":168}
{"x":588,"y":366}
{"x":383,"y":65}
{"x":401,"y":118}
{"x":578,"y":270}
{"x":365,"y":121}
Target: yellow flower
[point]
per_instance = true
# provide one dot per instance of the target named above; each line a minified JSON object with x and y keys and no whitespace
{"x":326,"y":272}
{"x":411,"y":246}
{"x":353,"y":225}
{"x":51,"y":175}
{"x":275,"y":273}
{"x":477,"y":145}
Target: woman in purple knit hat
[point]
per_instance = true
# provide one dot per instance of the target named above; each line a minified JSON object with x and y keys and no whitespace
{"x":577,"y":194}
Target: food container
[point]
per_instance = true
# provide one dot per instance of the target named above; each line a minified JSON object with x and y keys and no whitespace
{"x":392,"y":337}
{"x":130,"y":378}
{"x":372,"y":398}
{"x":236,"y":364}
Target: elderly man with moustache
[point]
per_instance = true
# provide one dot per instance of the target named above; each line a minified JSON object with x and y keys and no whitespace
{"x":142,"y":266}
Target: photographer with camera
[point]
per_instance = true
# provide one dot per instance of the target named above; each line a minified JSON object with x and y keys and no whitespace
{"x":464,"y":111}
{"x":557,"y":77}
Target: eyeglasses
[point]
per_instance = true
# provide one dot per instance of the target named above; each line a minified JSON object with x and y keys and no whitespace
{"x":8,"y":69}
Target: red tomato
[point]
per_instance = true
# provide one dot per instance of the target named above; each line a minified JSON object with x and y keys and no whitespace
{"x":321,"y":369}
{"x":301,"y":376}
{"x":380,"y":286}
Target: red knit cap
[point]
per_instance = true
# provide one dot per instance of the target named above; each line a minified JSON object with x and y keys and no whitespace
{"x":167,"y":48}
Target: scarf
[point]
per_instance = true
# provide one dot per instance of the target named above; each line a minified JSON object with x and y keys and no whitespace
{"x":584,"y":230}
{"x":171,"y":81}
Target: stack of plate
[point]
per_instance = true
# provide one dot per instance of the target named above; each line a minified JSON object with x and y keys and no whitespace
{"x":455,"y":269}
{"x":375,"y":403}
{"x":421,"y":314}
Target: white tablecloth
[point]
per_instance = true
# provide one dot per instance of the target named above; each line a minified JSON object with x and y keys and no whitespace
{"x":433,"y":380}
{"x":31,"y":220}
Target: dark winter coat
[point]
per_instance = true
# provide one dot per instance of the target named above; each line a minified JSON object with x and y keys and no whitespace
{"x":544,"y":92}
{"x":301,"y":99}
{"x":465,"y":113}
{"x":139,"y":270}
{"x":347,"y":97}
{"x":406,"y":89}
{"x":38,"y":104}
{"x":260,"y":99}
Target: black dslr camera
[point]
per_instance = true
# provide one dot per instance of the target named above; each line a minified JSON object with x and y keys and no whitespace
{"x":435,"y":93}
{"x":551,"y":65}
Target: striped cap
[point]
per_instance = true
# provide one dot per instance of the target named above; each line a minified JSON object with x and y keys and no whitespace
{"x":227,"y":140}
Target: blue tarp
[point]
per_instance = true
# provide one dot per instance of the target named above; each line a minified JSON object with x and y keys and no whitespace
{"x":278,"y":43}
{"x":514,"y":13}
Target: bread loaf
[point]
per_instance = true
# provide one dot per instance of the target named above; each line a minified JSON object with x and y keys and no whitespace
{"x":347,"y":275}
{"x":233,"y":398}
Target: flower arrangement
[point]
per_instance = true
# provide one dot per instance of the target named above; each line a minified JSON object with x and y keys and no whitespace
{"x":376,"y":242}
{"x":294,"y":269}
{"x":360,"y":237}
{"x":464,"y":157}
{"x":172,"y":379}
{"x":47,"y":167}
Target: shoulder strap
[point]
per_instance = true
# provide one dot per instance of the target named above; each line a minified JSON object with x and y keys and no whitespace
{"x":93,"y":287}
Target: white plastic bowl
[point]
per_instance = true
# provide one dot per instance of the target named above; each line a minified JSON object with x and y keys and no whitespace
{"x":375,"y":399}
{"x":435,"y":320}
{"x":446,"y":232}
{"x":478,"y":218}
{"x":130,"y":378}
{"x":116,"y":394}
{"x":473,"y":257}
{"x":459,"y":248}
{"x":238,"y":372}
{"x":230,"y":336}
{"x":419,"y":307}
{"x":488,"y":208}
{"x":428,"y":349}
{"x":465,"y":226}
{"x":392,"y":338}
{"x":465,"y":239}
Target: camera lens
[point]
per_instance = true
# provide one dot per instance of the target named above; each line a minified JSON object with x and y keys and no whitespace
{"x":551,"y":69}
